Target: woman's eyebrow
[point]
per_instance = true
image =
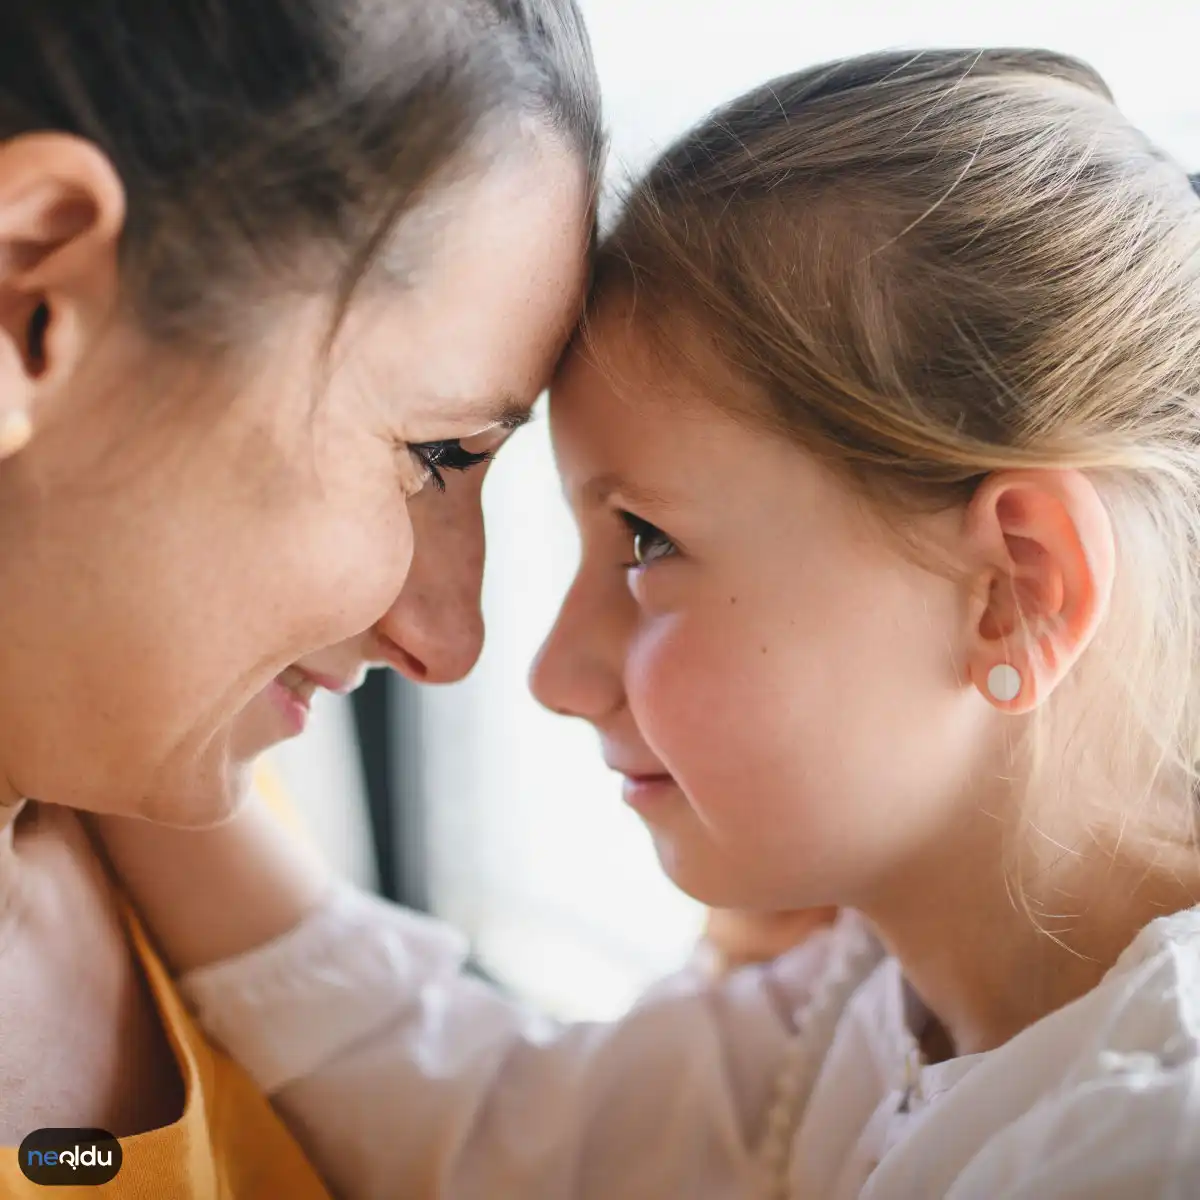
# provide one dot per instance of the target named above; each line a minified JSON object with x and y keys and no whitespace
{"x":505,"y":412}
{"x":509,"y":413}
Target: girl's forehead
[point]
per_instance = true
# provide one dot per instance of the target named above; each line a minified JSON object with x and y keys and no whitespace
{"x":638,"y":356}
{"x":617,"y":382}
{"x":618,"y":410}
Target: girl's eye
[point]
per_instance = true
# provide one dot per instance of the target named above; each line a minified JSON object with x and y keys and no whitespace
{"x":649,"y":542}
{"x":436,"y":457}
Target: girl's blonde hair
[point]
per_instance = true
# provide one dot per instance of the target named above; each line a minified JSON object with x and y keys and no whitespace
{"x":934,"y":266}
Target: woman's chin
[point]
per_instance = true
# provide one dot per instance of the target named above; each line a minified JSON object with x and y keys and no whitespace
{"x":213,"y":787}
{"x":205,"y":799}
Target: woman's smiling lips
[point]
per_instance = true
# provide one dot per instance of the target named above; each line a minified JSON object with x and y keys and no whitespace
{"x":292,"y":693}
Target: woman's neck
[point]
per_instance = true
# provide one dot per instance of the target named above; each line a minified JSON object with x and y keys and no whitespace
{"x":990,"y":956}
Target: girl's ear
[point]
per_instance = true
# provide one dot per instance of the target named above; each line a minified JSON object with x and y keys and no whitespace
{"x":1046,"y":544}
{"x":62,"y":212}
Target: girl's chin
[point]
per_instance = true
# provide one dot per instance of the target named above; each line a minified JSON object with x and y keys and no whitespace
{"x":715,"y":887}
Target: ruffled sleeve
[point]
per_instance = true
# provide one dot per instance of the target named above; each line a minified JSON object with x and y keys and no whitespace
{"x":401,"y":1076}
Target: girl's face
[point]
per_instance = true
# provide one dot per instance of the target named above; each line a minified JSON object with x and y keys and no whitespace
{"x":176,"y":537}
{"x":777,"y":682}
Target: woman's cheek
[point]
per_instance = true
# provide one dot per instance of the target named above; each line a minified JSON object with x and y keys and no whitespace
{"x":348,"y":573}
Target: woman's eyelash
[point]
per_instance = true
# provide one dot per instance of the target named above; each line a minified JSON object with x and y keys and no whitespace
{"x":449,"y":455}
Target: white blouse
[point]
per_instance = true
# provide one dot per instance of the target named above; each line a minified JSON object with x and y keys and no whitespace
{"x":801,"y":1079}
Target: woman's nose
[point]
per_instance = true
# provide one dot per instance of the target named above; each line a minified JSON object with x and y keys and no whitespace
{"x":577,"y":671}
{"x":433,"y":633}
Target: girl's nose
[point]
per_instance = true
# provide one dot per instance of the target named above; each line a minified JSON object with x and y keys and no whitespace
{"x":577,"y":671}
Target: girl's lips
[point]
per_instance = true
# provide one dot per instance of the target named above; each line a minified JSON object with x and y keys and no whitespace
{"x":644,"y":792}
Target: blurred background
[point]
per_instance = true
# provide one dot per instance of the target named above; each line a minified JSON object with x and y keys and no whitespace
{"x":471,"y":802}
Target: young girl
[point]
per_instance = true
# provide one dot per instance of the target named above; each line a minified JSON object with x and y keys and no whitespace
{"x":883,"y":438}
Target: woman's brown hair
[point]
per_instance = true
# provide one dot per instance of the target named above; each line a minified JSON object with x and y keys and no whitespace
{"x":262,"y":141}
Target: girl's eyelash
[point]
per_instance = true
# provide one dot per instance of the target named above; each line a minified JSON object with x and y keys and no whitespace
{"x":640,"y":528}
{"x":448,"y":455}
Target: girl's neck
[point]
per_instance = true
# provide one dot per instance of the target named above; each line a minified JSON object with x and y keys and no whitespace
{"x":989,"y":962}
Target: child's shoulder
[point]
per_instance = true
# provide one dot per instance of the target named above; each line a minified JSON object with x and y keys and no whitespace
{"x":1099,"y":1099}
{"x":1138,"y":1031}
{"x":1143,"y":1019}
{"x":1160,"y":974}
{"x":1121,"y":1119}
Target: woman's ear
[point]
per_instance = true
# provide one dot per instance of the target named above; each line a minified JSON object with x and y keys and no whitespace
{"x":62,"y":212}
{"x":1046,"y":544}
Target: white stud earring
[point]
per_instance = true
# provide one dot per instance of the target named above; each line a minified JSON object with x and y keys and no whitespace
{"x":16,"y":432}
{"x":1004,"y":683}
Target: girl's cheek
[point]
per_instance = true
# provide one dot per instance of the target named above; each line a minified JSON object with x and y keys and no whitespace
{"x":674,"y":688}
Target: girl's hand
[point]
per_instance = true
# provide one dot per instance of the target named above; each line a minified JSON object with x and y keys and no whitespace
{"x":738,"y":937}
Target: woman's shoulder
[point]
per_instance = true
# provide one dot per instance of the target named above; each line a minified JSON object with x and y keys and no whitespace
{"x":66,"y":925}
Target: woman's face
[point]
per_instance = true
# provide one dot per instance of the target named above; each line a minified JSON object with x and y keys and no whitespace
{"x":177,"y":534}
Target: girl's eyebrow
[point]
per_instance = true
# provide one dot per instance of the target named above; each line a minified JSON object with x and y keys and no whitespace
{"x":599,"y":490}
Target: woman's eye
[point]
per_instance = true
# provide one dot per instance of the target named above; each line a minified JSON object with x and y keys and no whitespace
{"x":436,"y":457}
{"x":649,"y":542}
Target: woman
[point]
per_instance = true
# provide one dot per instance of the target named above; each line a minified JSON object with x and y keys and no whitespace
{"x":268,"y":270}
